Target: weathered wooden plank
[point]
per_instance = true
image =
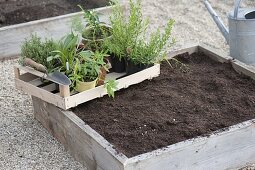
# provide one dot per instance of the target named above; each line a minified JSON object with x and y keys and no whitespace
{"x":244,"y":69}
{"x":64,"y":91}
{"x":16,"y":72}
{"x":214,"y":54}
{"x":39,"y":92}
{"x":50,"y":87}
{"x":192,"y":48}
{"x":224,"y":150}
{"x":11,"y":37}
{"x":124,"y":82}
{"x":114,"y":75}
{"x":35,"y":82}
{"x":84,"y":143}
{"x":27,"y":77}
{"x":30,"y":70}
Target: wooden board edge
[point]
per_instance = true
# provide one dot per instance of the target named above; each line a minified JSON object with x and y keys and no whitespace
{"x":214,"y":54}
{"x":190,"y":48}
{"x":105,"y":9}
{"x":77,"y":137}
{"x":38,"y":92}
{"x":189,"y":143}
{"x":95,"y":135}
{"x":7,"y":58}
{"x":30,"y":70}
{"x":149,"y":73}
{"x":242,"y":68}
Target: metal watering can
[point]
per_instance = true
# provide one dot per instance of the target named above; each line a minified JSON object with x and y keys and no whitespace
{"x":241,"y":33}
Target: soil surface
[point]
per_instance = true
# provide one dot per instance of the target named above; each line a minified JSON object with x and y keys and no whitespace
{"x":173,"y":107}
{"x":19,"y":11}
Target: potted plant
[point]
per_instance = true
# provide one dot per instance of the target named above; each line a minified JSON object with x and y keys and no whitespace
{"x":86,"y":70}
{"x":128,"y":41}
{"x":65,"y":53}
{"x":95,"y":31}
{"x":125,"y":32}
{"x":146,"y":53}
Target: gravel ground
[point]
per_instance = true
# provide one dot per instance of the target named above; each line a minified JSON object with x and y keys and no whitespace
{"x":25,"y":144}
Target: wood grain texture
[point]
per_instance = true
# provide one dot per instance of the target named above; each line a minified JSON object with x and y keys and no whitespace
{"x":16,"y":72}
{"x":39,"y":92}
{"x":244,"y":69}
{"x":214,"y":54}
{"x":11,"y":37}
{"x":191,"y":48}
{"x":230,"y":149}
{"x":86,"y":145}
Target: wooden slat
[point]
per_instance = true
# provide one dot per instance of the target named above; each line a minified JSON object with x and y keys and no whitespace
{"x":64,"y":91}
{"x":56,"y":27}
{"x":27,"y":77}
{"x":85,"y":144}
{"x":36,"y":82}
{"x":39,"y":92}
{"x":124,"y":82}
{"x":244,"y":69}
{"x":230,"y":149}
{"x":114,"y":75}
{"x":192,"y":48}
{"x":50,"y":87}
{"x":30,"y":70}
{"x":16,"y":72}
{"x":215,"y":54}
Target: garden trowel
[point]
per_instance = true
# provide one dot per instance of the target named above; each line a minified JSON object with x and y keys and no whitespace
{"x":56,"y":76}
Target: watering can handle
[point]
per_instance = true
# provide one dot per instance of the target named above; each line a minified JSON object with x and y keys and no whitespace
{"x":237,"y":5}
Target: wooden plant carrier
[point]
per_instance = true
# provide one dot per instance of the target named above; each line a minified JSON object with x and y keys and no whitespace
{"x":30,"y":81}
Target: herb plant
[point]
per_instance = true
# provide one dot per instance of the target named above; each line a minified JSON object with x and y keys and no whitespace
{"x":154,"y":50}
{"x":125,"y":31}
{"x":38,"y":50}
{"x":66,"y":52}
{"x":111,"y":87}
{"x":87,"y":67}
{"x":94,"y":28}
{"x":129,"y":36}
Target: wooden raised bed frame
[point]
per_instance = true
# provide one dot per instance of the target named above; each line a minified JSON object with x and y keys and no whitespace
{"x":232,"y":148}
{"x":55,"y":27}
{"x":59,"y":95}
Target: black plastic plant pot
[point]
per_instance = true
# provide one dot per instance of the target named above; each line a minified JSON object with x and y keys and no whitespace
{"x":132,"y":68}
{"x":118,"y":65}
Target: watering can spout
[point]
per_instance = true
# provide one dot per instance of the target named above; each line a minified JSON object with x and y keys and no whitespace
{"x":217,"y":20}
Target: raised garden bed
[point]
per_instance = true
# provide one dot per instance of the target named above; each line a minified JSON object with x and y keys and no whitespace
{"x":29,"y":80}
{"x":219,"y":148}
{"x":15,"y":12}
{"x":56,"y":27}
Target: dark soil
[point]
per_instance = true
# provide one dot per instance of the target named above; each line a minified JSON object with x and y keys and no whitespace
{"x":173,"y":107}
{"x":19,"y":11}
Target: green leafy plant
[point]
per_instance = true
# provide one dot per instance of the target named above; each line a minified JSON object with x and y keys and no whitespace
{"x":66,"y":52}
{"x":111,"y":87}
{"x":87,"y":66}
{"x":38,"y":50}
{"x":95,"y":28}
{"x":130,"y":36}
{"x":153,"y":51}
{"x":125,"y":31}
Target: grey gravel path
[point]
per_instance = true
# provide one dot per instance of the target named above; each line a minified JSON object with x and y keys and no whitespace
{"x":25,"y":144}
